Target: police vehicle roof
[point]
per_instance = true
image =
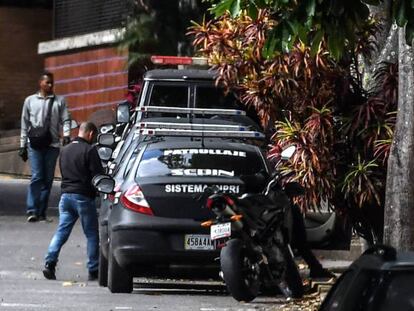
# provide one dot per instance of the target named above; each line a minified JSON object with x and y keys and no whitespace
{"x":180,"y":74}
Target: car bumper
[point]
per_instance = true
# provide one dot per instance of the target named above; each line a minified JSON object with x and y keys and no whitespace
{"x":149,"y":240}
{"x":136,"y":246}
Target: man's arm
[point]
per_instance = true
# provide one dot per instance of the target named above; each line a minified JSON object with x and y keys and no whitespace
{"x":24,"y":124}
{"x":65,"y":117}
{"x":95,"y":165}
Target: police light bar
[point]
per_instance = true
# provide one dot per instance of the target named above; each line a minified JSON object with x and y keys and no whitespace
{"x":207,"y":111}
{"x":200,"y":133}
{"x":191,"y":126}
{"x":178,"y":60}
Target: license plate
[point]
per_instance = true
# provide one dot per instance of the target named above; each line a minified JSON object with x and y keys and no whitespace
{"x":199,"y":242}
{"x":220,"y":231}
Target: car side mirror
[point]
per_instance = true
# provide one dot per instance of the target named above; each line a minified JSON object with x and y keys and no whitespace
{"x":103,"y":183}
{"x":105,"y":153}
{"x":122,"y":113}
{"x":106,"y":140}
{"x":73,"y":124}
{"x":106,"y":128}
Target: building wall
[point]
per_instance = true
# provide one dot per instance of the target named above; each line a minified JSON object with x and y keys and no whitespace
{"x":93,"y":81}
{"x":21,"y":29}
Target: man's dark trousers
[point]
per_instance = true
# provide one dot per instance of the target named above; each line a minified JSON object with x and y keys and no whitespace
{"x":42,"y":164}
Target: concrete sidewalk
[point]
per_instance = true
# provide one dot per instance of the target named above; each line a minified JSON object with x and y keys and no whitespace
{"x":13,"y":194}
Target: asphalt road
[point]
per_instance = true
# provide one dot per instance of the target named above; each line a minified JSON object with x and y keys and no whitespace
{"x":23,"y":287}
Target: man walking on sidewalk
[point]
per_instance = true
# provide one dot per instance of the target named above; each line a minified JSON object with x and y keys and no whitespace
{"x":42,"y":115}
{"x":79,"y":163}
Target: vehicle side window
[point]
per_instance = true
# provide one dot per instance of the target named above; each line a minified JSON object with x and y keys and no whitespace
{"x":124,"y":155}
{"x":169,"y":96}
{"x":210,"y":96}
{"x":398,"y":292}
{"x":214,"y":97}
{"x":131,"y":162}
{"x":125,"y":146}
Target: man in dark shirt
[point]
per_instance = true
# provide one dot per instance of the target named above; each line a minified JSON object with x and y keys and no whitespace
{"x":79,"y":163}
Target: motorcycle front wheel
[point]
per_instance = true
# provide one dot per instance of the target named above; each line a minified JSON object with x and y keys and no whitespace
{"x":240,"y":272}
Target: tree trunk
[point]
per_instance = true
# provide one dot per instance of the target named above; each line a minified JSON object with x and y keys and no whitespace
{"x":387,"y":43}
{"x":399,"y":202}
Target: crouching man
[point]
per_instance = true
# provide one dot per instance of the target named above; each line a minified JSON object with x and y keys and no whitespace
{"x":79,"y":163}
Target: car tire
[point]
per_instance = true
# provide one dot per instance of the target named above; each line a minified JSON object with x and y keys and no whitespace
{"x":119,"y":279}
{"x":103,"y":269}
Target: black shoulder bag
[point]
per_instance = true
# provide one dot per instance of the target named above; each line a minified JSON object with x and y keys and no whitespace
{"x":40,"y":137}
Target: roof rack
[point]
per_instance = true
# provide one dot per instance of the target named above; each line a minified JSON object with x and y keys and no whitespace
{"x":192,"y":126}
{"x":205,"y":111}
{"x":202,"y":133}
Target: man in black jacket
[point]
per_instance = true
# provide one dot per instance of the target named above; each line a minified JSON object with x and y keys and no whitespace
{"x":79,"y":163}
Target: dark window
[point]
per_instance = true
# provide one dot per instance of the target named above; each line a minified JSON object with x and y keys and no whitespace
{"x":398,"y":292}
{"x":371,"y":290}
{"x":168,"y":96}
{"x":213,"y":97}
{"x":76,"y":17}
{"x":209,"y":96}
{"x":199,"y":162}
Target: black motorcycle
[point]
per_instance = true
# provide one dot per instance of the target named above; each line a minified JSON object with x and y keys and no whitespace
{"x":254,"y":230}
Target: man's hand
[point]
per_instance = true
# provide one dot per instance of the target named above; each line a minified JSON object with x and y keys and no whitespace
{"x":66,"y":140}
{"x":23,"y":153}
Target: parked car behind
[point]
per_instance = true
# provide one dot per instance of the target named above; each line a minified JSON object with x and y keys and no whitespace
{"x":381,"y":279}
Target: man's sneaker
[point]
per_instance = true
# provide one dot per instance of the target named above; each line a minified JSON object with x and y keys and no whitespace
{"x":31,"y":217}
{"x":93,"y":275}
{"x":49,"y":271}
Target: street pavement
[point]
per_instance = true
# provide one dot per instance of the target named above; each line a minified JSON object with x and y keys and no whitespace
{"x":23,"y":287}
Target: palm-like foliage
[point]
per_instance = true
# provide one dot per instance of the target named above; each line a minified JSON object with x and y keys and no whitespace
{"x":312,"y":101}
{"x":361,"y":183}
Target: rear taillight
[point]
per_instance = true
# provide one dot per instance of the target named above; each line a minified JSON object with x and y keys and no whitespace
{"x":111,"y":197}
{"x":134,"y":200}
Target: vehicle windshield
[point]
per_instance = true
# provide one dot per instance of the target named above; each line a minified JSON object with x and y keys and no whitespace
{"x":210,"y":162}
